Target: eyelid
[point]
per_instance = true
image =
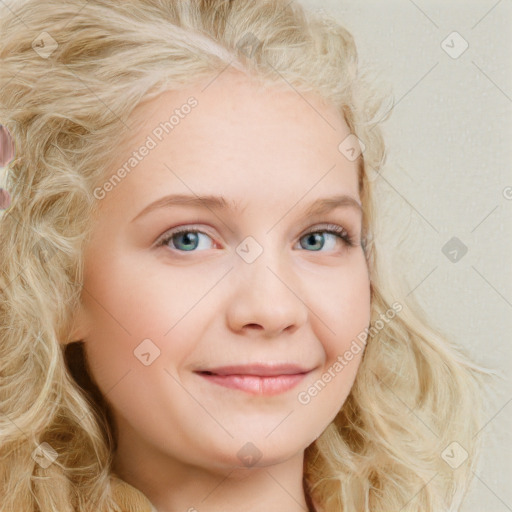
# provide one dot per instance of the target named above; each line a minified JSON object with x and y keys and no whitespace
{"x":348,"y":236}
{"x":322,"y":226}
{"x":164,"y":237}
{"x":344,"y":234}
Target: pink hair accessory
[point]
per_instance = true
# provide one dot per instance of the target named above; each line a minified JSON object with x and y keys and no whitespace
{"x":5,"y":199}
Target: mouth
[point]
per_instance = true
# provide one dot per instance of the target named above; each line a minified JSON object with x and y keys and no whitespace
{"x":257,"y":379}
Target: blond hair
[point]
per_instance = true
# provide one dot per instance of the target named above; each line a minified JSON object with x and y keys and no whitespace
{"x":67,"y":102}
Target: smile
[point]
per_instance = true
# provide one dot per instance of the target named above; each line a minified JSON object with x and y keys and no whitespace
{"x":256,"y":384}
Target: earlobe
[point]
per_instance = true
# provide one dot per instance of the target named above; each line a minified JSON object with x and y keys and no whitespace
{"x":79,"y":327}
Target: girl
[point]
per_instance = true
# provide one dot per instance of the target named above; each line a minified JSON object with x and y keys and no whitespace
{"x":192,"y":314}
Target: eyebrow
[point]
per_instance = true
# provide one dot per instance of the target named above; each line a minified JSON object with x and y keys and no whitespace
{"x":211,"y":202}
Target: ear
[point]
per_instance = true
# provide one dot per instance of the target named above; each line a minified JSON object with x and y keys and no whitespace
{"x":79,"y":326}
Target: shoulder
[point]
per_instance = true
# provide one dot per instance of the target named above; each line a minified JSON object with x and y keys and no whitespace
{"x":129,"y":498}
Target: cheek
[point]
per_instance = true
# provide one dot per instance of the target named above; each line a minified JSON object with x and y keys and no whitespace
{"x":125,"y":309}
{"x":129,"y":298}
{"x":139,"y":315}
{"x":342,"y":299}
{"x":342,"y":303}
{"x":340,"y":312}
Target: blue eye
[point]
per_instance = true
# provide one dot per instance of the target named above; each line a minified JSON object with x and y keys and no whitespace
{"x":317,"y":236}
{"x":188,"y":239}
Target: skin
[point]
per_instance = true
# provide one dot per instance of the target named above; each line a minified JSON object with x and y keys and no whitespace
{"x":300,"y":301}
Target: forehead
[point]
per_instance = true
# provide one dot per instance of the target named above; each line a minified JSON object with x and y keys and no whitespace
{"x":238,"y":138}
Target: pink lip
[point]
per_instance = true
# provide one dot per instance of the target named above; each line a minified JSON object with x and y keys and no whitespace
{"x":257,"y":379}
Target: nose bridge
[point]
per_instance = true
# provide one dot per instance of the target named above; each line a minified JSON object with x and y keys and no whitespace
{"x":260,"y":260}
{"x":266,"y":292}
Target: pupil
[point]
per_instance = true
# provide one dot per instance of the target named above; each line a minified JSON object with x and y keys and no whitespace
{"x":189,"y":238}
{"x":315,"y":238}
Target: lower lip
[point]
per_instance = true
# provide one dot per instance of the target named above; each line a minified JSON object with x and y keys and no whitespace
{"x":256,"y":385}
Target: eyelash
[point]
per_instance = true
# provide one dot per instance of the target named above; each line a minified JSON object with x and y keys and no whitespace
{"x":334,"y":229}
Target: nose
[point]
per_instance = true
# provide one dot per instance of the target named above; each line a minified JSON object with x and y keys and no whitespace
{"x":267,"y":297}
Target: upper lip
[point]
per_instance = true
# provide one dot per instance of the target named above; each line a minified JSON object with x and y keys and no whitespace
{"x":262,"y":369}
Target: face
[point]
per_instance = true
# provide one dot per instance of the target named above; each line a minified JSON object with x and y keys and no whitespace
{"x":254,"y":278}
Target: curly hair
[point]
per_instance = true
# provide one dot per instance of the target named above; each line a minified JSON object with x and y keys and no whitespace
{"x":70,"y":76}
